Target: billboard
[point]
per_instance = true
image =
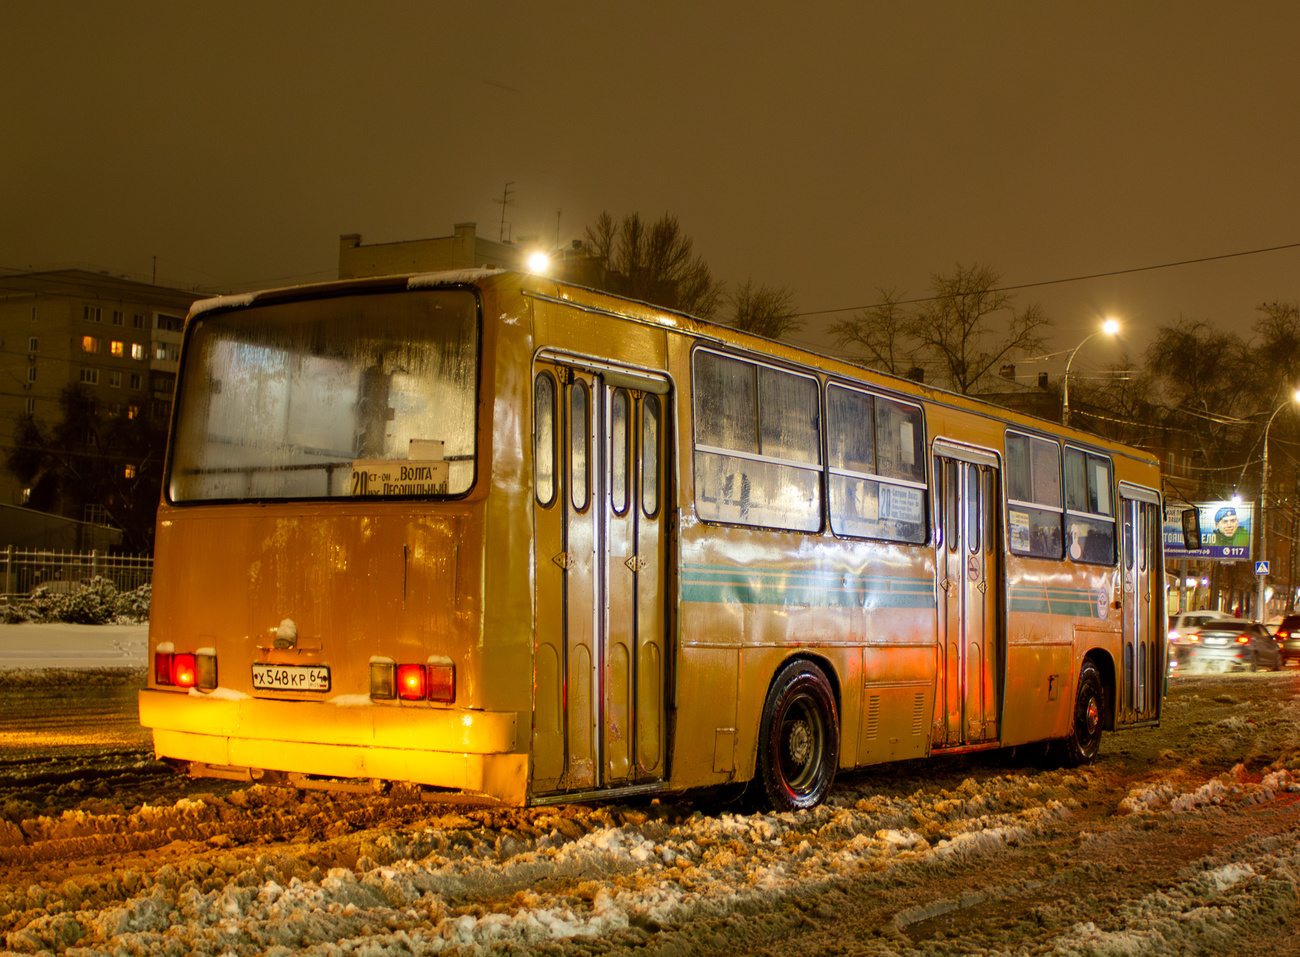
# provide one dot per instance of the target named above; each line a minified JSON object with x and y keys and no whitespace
{"x":1225,"y":532}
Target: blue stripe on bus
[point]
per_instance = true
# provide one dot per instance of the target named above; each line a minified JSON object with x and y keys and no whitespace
{"x":757,"y":586}
{"x":717,"y":584}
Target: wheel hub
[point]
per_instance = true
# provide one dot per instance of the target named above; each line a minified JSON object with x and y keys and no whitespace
{"x":1092,"y":716}
{"x":799,"y":742}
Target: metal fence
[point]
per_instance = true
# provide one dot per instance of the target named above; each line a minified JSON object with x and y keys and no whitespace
{"x":26,"y":569}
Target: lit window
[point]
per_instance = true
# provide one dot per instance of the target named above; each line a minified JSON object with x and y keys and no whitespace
{"x":129,"y":471}
{"x":160,"y":351}
{"x":117,"y":348}
{"x":25,"y":495}
{"x":89,"y":344}
{"x":137,"y":350}
{"x":132,"y":411}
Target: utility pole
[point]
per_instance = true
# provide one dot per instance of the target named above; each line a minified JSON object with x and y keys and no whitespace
{"x":505,"y":201}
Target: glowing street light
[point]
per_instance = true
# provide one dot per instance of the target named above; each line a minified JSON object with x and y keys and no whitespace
{"x":539,"y":263}
{"x":1263,"y":505}
{"x":1110,"y":327}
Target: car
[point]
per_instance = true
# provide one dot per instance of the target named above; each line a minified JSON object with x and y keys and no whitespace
{"x":1226,"y":644}
{"x":1185,"y":622}
{"x":1288,"y":638}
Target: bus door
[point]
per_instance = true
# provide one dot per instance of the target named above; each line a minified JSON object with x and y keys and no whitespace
{"x":600,"y":556}
{"x":970,"y":653}
{"x":1143,"y":666}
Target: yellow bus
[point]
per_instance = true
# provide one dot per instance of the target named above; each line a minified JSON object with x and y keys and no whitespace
{"x":509,"y":540}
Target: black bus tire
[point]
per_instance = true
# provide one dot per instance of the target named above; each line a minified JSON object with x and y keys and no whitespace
{"x":798,"y":741}
{"x":1085,"y":723}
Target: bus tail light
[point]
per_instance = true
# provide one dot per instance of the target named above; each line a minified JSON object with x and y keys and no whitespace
{"x":412,"y":682}
{"x":184,"y":672}
{"x":187,"y":670}
{"x":442,"y":682}
{"x":383,"y":679}
{"x":162,"y":667}
{"x":205,"y":671}
{"x":435,"y":681}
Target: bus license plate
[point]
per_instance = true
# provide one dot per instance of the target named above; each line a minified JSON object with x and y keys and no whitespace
{"x":291,"y":677}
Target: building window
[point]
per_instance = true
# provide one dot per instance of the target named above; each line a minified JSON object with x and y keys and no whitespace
{"x":92,"y":313}
{"x":170,"y":323}
{"x":31,"y":374}
{"x":31,"y":406}
{"x":137,"y":381}
{"x":115,"y":380}
{"x":137,"y":321}
{"x":132,"y":411}
{"x":32,"y":344}
{"x":137,"y":350}
{"x":25,"y":496}
{"x":118,"y":317}
{"x":89,"y":344}
{"x":129,"y":471}
{"x":90,"y":376}
{"x":33,"y":313}
{"x":117,"y":348}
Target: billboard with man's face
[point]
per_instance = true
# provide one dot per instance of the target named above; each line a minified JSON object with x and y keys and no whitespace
{"x":1225,"y":532}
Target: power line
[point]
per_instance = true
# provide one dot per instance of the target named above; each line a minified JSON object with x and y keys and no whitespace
{"x":1057,"y":282}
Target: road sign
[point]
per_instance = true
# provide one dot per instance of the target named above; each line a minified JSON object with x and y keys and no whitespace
{"x":1261,"y":568}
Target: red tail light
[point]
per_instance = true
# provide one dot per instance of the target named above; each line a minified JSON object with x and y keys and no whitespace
{"x":442,"y":683}
{"x":1243,"y":639}
{"x":162,"y":668}
{"x":412,"y":683}
{"x":184,"y":672}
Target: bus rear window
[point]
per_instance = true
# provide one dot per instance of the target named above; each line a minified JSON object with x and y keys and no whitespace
{"x":368,"y":395}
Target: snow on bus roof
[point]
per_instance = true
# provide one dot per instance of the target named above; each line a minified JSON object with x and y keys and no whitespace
{"x":450,"y":276}
{"x":222,"y":302}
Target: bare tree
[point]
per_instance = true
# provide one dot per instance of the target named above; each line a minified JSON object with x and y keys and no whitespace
{"x":879,"y":335}
{"x":655,"y":263}
{"x":966,"y":328}
{"x":959,"y":325}
{"x":763,"y":310}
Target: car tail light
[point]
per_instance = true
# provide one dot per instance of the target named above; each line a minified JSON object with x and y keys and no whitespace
{"x":1193,"y":637}
{"x":412,"y":682}
{"x":1243,"y":639}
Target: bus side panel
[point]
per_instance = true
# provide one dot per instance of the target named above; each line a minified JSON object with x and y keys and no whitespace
{"x":1057,"y":613}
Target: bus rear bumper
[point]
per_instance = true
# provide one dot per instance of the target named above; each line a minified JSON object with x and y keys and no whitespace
{"x":472,"y":752}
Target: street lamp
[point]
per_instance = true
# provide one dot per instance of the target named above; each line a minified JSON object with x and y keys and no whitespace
{"x":1263,"y":505}
{"x":1110,"y":327}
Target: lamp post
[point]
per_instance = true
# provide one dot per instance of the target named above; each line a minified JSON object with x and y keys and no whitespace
{"x":1263,"y":505}
{"x":1110,"y":327}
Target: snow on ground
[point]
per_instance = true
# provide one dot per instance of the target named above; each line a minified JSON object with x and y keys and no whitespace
{"x":60,"y":645}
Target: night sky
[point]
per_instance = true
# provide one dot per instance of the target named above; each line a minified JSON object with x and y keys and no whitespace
{"x":832,"y":148}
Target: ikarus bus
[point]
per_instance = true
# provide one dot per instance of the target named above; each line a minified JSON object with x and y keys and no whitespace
{"x":503,"y":539}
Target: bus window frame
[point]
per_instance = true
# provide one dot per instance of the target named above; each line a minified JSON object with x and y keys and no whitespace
{"x":1093,"y":517}
{"x":1009,"y":502}
{"x":819,"y":446}
{"x":923,"y":486}
{"x":554,"y":443}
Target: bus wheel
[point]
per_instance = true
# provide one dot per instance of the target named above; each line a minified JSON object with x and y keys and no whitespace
{"x":1085,"y":730}
{"x":798,"y":740}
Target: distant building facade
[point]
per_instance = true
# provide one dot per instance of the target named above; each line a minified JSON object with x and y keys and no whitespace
{"x":464,"y":249}
{"x":118,"y":338}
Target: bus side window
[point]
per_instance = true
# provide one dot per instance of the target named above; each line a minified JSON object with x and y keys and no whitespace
{"x":1033,"y":488}
{"x":1090,"y":508}
{"x":544,"y":438}
{"x":650,"y":455}
{"x":618,"y":443}
{"x":579,"y":431}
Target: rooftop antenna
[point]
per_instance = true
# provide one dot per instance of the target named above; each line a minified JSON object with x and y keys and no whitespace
{"x":558,"y":214}
{"x":505,"y":201}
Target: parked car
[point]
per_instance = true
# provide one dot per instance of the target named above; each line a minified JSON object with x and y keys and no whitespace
{"x":1226,"y":644}
{"x":1288,"y":638}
